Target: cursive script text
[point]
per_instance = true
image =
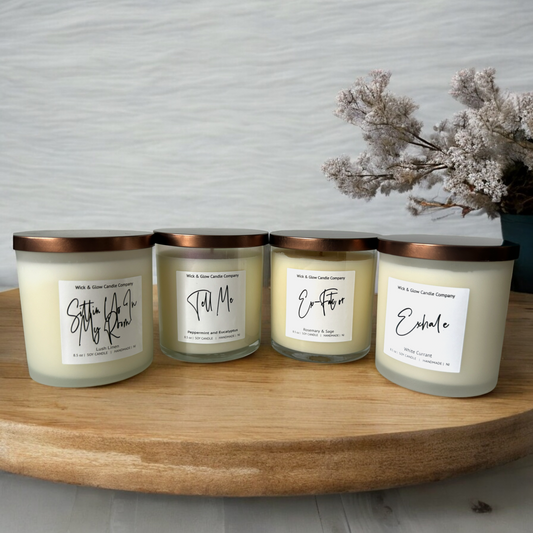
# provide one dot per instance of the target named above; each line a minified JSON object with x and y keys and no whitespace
{"x":408,"y":323}
{"x":82,"y":314}
{"x":202,"y":299}
{"x":117,"y":317}
{"x":327,"y":301}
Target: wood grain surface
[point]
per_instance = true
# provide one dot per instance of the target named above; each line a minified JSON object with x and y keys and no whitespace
{"x":263,"y":425}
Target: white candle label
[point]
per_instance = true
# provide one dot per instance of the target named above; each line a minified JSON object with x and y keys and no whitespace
{"x":211,"y":306}
{"x":101,"y":320}
{"x":320,"y":305}
{"x":425,"y":325}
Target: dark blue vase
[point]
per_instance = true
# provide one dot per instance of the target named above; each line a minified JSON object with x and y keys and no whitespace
{"x":519,"y":229}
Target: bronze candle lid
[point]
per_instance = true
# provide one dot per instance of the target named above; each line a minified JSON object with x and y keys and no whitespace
{"x":210,"y":237}
{"x":324,"y":240}
{"x":72,"y":241}
{"x":448,"y":247}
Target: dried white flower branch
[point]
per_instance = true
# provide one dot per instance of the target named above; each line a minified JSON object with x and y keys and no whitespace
{"x":483,"y":157}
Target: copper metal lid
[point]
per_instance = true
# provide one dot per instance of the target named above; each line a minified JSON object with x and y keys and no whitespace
{"x":69,"y":241}
{"x":210,"y":237}
{"x":324,"y":240}
{"x":448,"y":247}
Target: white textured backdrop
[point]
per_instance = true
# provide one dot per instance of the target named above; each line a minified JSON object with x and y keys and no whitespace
{"x":137,"y":114}
{"x":142,"y":114}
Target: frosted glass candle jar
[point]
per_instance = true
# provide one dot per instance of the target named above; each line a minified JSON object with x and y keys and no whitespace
{"x":322,"y":294}
{"x":442,"y":307}
{"x":87,"y":305}
{"x":210,"y":284}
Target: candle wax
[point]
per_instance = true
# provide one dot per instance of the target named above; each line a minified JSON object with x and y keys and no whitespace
{"x":217,"y":281}
{"x":41,"y":276}
{"x":297,"y":300}
{"x":479,"y":353}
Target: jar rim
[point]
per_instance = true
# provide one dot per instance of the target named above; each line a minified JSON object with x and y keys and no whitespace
{"x":73,"y":241}
{"x":448,"y":247}
{"x":324,"y":240}
{"x":210,"y":237}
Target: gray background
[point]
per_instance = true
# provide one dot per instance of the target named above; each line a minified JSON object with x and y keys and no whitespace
{"x":137,"y":114}
{"x":133,"y":114}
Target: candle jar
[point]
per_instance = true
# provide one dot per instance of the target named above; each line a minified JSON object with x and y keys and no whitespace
{"x":322,"y":294}
{"x":442,"y":308}
{"x":210,"y":287}
{"x":87,"y":305}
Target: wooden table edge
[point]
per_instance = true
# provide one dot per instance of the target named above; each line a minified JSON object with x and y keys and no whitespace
{"x":244,"y":467}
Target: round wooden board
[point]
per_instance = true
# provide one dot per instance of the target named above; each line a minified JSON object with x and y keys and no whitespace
{"x":263,"y":425}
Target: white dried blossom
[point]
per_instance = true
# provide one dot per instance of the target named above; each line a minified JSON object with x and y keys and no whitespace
{"x":386,"y":120}
{"x":472,"y":175}
{"x":473,"y":89}
{"x":352,"y":178}
{"x":483,"y":156}
{"x":524,"y":109}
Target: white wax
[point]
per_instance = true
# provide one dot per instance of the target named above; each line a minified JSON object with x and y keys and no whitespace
{"x":171,"y":259}
{"x":362,"y":263}
{"x":488,"y":284}
{"x":39,"y":274}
